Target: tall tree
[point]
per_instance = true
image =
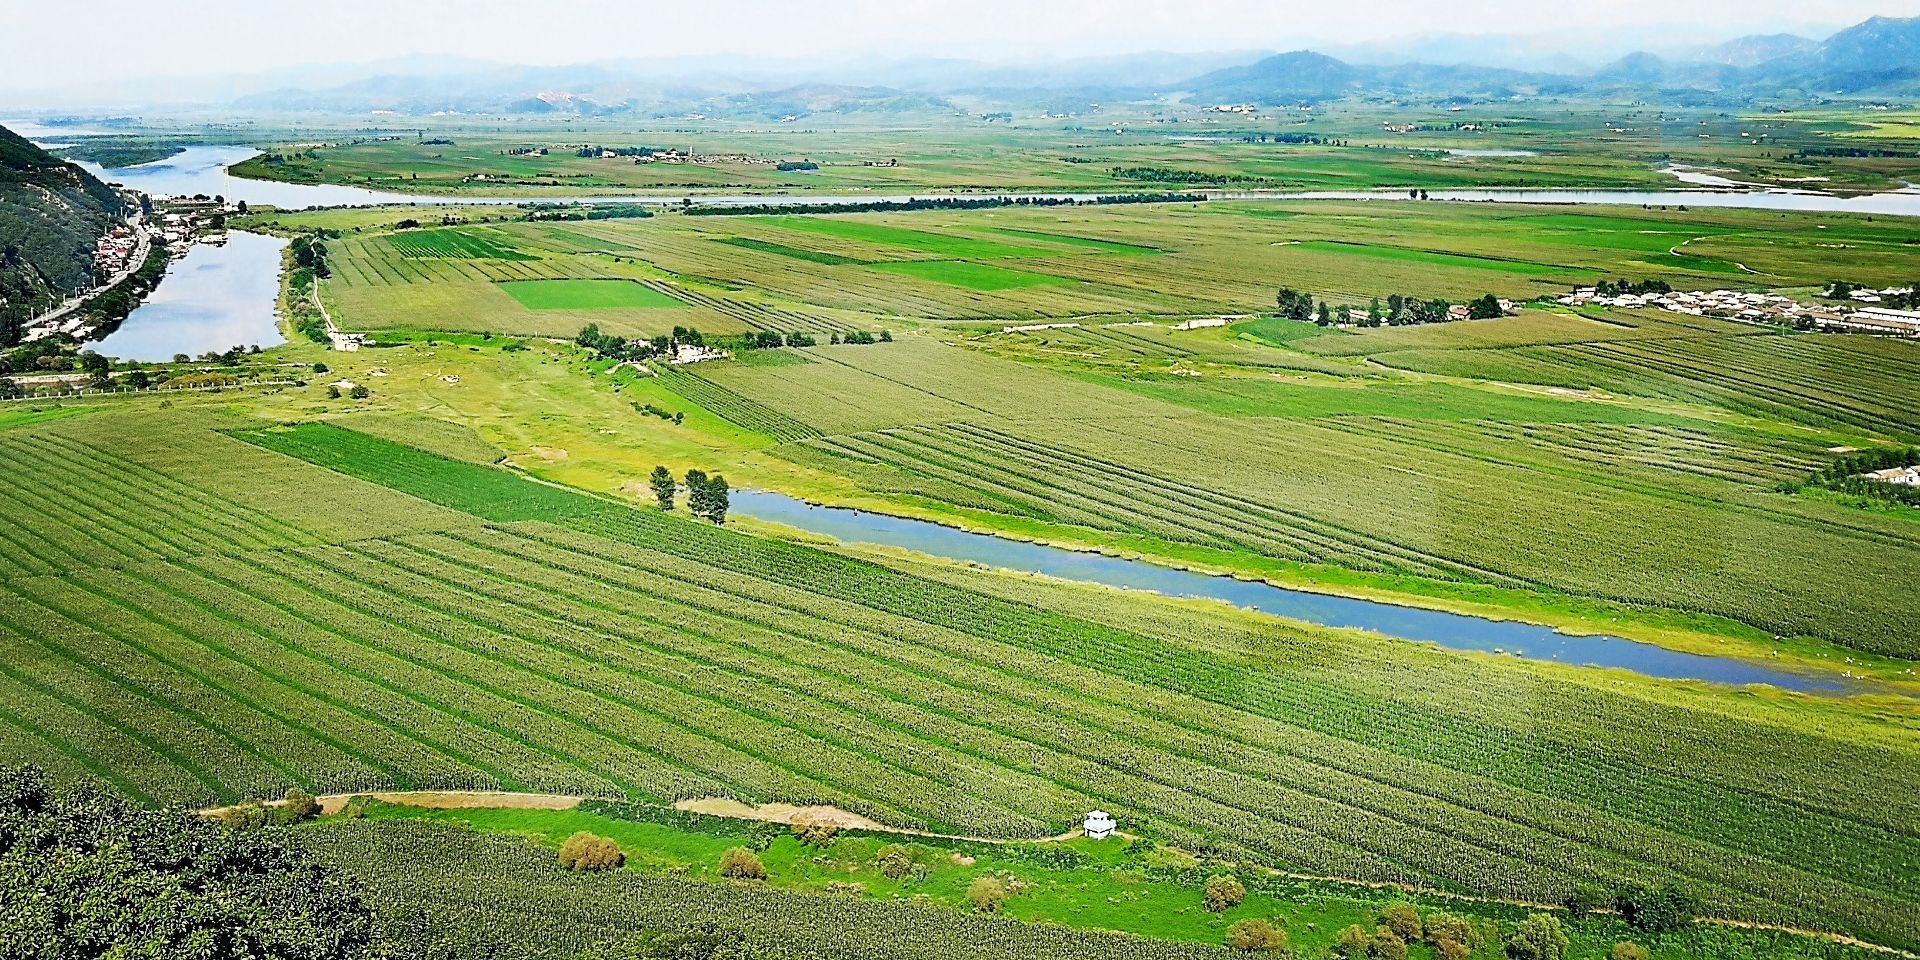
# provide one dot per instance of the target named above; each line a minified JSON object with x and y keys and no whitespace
{"x":717,"y":499}
{"x":663,"y":487}
{"x":697,"y":492}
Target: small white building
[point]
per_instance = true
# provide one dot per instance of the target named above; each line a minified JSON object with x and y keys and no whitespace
{"x":1099,"y":826}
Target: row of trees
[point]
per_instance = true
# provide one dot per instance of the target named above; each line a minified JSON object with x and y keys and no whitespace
{"x":707,"y":496}
{"x":595,"y":211}
{"x":595,"y":151}
{"x":610,"y":347}
{"x":1396,"y":311}
{"x":56,"y":355}
{"x":1846,"y":476}
{"x":770,"y":340}
{"x":1636,"y":288}
{"x":1172,"y":175}
{"x":310,"y":254}
{"x":937,"y":203}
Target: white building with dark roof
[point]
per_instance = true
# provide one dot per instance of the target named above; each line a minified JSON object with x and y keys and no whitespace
{"x":1099,"y":826}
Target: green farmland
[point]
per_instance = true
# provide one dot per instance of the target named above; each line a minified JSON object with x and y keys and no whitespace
{"x":463,"y":628}
{"x":513,"y":564}
{"x":1036,"y":265}
{"x":973,"y":276}
{"x":585,"y":294}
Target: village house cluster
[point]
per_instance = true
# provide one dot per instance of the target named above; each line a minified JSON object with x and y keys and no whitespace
{"x":176,"y":222}
{"x":179,"y":221}
{"x":115,"y":251}
{"x":676,"y":155}
{"x":1768,"y":308}
{"x":1905,"y":476}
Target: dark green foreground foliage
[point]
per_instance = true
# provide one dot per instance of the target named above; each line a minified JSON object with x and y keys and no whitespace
{"x":455,"y":893}
{"x":85,"y":874}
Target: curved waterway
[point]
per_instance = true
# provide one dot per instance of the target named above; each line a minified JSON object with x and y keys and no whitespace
{"x":217,"y":296}
{"x":1452,"y":630}
{"x":203,"y":170}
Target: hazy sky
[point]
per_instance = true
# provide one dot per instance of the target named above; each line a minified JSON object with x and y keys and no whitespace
{"x":46,"y":44}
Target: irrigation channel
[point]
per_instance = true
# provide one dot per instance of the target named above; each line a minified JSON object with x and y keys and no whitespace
{"x":203,"y":170}
{"x":1451,"y":630}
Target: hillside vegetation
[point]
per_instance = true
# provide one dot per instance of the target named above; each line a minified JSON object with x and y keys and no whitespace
{"x":51,"y":213}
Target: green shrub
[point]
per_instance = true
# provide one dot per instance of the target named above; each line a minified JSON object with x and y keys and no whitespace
{"x":1538,"y":937}
{"x":1442,"y":927}
{"x":299,"y":805}
{"x":1403,"y":920}
{"x":987,"y":894}
{"x":1656,"y":909}
{"x":739,"y":863}
{"x":1254,"y":935}
{"x":814,"y":832}
{"x":1224,"y":893}
{"x":584,"y":852}
{"x":1353,"y":943}
{"x":895,"y":861}
{"x":1387,"y":945}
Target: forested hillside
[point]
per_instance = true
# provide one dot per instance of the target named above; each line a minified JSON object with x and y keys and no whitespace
{"x":51,"y":213}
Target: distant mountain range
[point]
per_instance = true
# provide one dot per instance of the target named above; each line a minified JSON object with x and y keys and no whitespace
{"x":1877,"y":58}
{"x":51,"y":215}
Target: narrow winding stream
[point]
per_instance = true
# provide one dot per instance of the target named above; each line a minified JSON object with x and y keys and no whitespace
{"x":1452,"y":630}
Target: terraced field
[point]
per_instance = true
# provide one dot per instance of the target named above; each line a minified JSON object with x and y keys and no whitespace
{"x":462,"y":627}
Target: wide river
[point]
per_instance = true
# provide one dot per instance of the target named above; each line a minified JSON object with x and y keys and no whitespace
{"x":215,"y":297}
{"x":203,"y":170}
{"x":1451,"y":630}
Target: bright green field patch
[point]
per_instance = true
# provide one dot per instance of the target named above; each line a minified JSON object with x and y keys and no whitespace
{"x":453,"y":245}
{"x":1068,"y":240}
{"x":781,"y":249}
{"x":18,"y":415}
{"x":1403,"y":401}
{"x":973,"y":276}
{"x":585,"y":294}
{"x":939,"y":244}
{"x":1279,"y":330}
{"x":1522,"y":267}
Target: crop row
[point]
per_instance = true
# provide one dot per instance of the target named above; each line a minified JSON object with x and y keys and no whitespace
{"x":1160,"y":670}
{"x":733,"y":407}
{"x":642,"y":655}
